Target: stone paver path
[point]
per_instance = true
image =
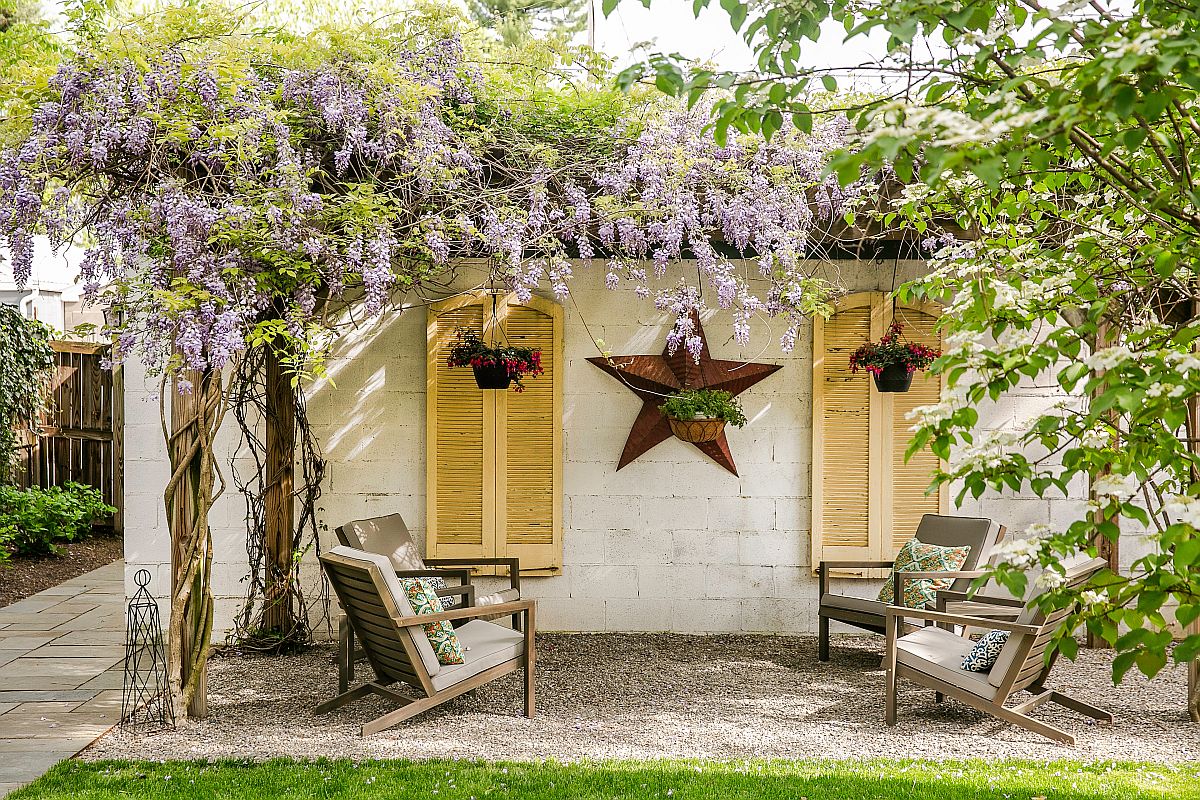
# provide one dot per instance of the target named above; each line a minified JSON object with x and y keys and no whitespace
{"x":62,"y":655}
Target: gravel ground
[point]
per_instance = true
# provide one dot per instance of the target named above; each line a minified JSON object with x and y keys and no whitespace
{"x":661,"y":695}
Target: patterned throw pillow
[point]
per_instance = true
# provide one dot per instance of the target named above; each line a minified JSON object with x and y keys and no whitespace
{"x":424,"y":600}
{"x":985,"y":652}
{"x":918,"y":557}
{"x":440,"y":583}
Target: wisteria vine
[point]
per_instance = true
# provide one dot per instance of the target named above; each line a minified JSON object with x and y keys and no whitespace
{"x":230,"y":198}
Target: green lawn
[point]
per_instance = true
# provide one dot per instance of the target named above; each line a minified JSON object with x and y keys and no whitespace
{"x":678,"y":780}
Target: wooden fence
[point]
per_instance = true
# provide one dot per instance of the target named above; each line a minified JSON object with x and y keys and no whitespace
{"x":81,"y":439}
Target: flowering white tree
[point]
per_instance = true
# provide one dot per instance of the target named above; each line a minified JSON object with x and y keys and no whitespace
{"x":1061,"y":141}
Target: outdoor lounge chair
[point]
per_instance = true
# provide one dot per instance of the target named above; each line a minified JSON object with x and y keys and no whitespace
{"x":980,"y":534}
{"x":388,"y":536}
{"x":398,"y":650}
{"x":932,"y":657}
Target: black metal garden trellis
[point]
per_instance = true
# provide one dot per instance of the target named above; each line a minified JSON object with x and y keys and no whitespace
{"x":146,"y":699}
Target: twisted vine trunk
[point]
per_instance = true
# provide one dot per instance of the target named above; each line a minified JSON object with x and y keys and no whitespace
{"x":195,"y":419}
{"x":279,"y":612}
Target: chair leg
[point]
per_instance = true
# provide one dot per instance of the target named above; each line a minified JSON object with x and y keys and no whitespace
{"x":530,"y":660}
{"x":357,"y":693}
{"x":822,"y":638}
{"x":345,"y":656}
{"x":1080,"y":707}
{"x":1031,"y":724}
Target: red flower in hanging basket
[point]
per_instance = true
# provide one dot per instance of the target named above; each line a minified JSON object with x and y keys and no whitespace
{"x":470,"y":350}
{"x":889,"y":350}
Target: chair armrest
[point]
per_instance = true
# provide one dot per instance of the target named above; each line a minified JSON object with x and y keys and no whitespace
{"x":900,"y":576}
{"x":826,"y":565}
{"x":982,"y":599}
{"x":902,"y":612}
{"x":467,"y":590}
{"x":499,"y":610}
{"x":463,"y":575}
{"x":513,"y":564}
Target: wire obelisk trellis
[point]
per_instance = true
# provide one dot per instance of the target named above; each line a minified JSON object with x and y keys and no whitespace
{"x":146,"y":699}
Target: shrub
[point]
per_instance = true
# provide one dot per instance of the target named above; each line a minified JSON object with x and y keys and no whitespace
{"x":711,"y":403}
{"x":35,"y":521}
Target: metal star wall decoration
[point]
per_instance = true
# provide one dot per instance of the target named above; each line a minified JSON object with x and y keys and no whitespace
{"x":653,"y":377}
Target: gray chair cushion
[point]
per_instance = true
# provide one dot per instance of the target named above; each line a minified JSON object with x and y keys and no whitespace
{"x":939,"y":653}
{"x":496,"y":598}
{"x":486,"y":645}
{"x":835,"y":602}
{"x":415,"y":632}
{"x":388,"y":536}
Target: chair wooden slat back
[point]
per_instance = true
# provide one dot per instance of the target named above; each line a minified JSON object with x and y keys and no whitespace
{"x":366,"y":599}
{"x":1022,"y":662}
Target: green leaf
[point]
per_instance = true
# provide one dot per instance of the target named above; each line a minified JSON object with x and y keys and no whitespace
{"x":830,"y":83}
{"x":609,"y":6}
{"x":1186,"y":556}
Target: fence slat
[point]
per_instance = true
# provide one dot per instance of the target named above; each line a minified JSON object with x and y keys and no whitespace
{"x":83,"y":429}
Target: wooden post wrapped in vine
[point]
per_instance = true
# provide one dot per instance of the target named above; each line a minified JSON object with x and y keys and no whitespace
{"x":195,"y":418}
{"x":279,"y":614}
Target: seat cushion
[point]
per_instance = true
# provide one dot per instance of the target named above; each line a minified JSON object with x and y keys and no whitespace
{"x":835,"y":602}
{"x":496,"y":598}
{"x":939,"y":653}
{"x":486,"y":645}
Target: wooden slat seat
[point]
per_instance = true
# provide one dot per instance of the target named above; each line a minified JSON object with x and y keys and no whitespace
{"x":977,"y":533}
{"x":394,"y":641}
{"x":389,"y":536}
{"x":932,"y":657}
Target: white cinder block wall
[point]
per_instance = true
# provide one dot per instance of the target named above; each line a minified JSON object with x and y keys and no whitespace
{"x":672,"y":542}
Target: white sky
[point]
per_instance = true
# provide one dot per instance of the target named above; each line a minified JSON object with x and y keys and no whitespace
{"x":672,"y":28}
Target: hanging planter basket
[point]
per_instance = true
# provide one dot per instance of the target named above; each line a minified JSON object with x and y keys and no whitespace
{"x":697,"y":431}
{"x":894,"y":378}
{"x":492,"y":376}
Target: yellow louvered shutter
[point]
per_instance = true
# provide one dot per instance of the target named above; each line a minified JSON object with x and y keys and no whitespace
{"x":867,"y":500}
{"x":529,"y":439}
{"x":460,"y":463}
{"x":842,"y":435}
{"x":494,"y":459}
{"x":905,"y":500}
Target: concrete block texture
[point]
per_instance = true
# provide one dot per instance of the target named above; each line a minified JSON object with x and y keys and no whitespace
{"x":671,"y":542}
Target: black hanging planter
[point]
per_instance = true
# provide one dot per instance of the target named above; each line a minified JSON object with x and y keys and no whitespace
{"x":893,"y":378}
{"x":492,"y":376}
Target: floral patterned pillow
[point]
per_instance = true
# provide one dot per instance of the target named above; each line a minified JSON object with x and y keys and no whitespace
{"x":985,"y":652}
{"x":424,"y":600}
{"x":915,"y":556}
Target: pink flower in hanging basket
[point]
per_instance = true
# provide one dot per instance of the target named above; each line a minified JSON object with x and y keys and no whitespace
{"x":470,"y":350}
{"x":873,"y":357}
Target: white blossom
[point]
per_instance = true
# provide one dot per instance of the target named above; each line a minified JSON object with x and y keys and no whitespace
{"x":1020,"y":553}
{"x":1183,"y":509}
{"x":1109,"y":357}
{"x":1049,"y":579}
{"x":1115,"y":485}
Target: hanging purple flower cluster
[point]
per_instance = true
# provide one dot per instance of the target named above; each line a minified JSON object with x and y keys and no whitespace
{"x":229,"y":198}
{"x":766,"y":200}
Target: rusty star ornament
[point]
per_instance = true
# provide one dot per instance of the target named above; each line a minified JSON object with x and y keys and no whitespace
{"x":653,"y":377}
